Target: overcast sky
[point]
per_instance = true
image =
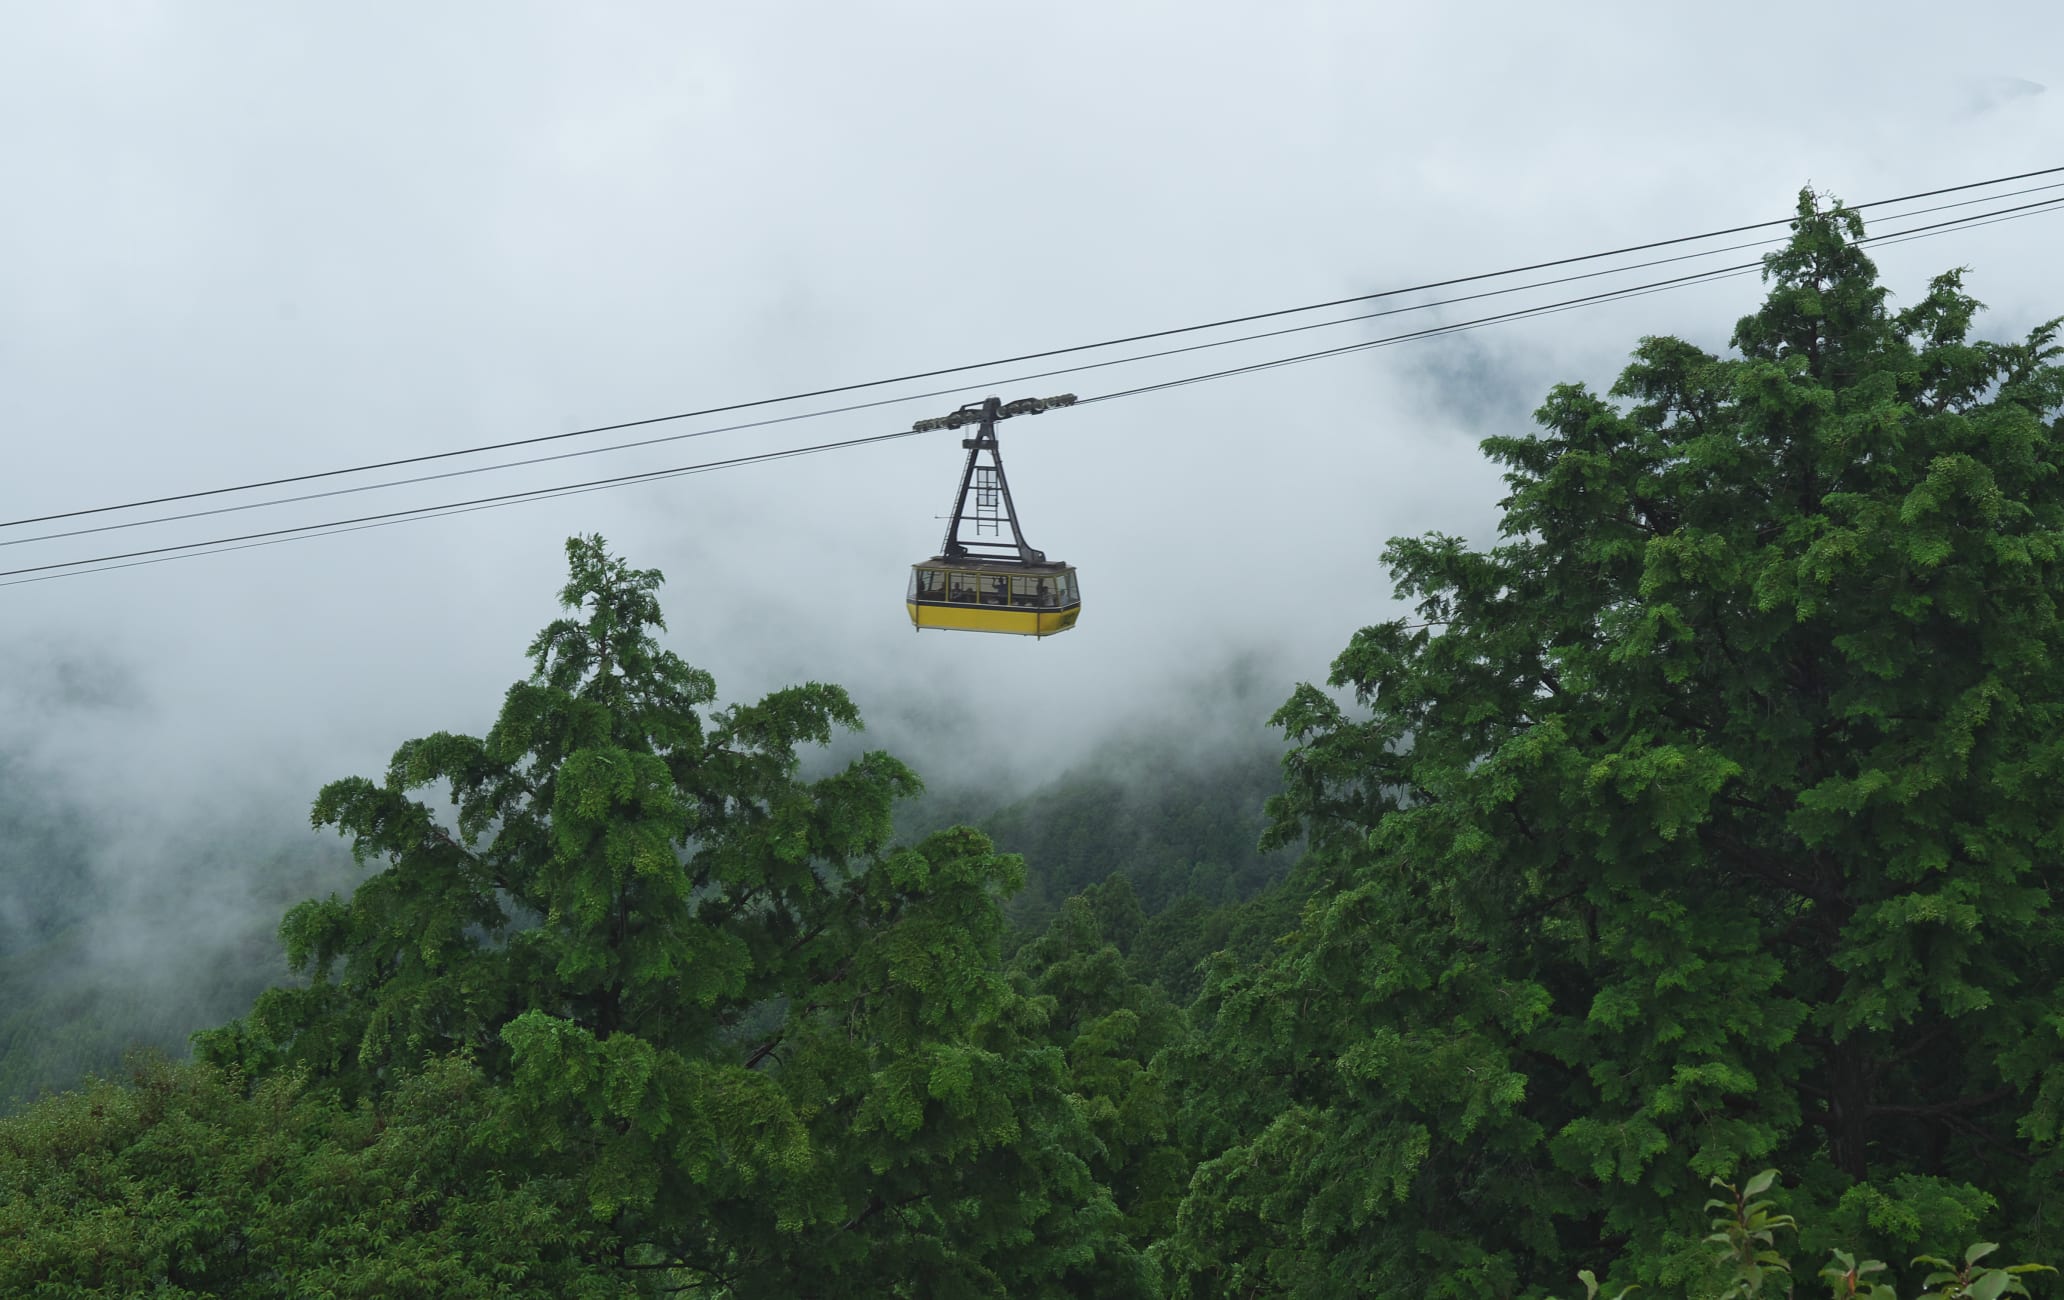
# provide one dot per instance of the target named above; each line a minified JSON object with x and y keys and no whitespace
{"x":250,"y":240}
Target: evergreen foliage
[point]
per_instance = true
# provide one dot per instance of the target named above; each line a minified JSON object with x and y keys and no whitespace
{"x":1112,"y":1025}
{"x":1703,"y":823}
{"x":177,"y":1182}
{"x":1707,"y":820}
{"x":776,"y":1052}
{"x":1174,"y":826}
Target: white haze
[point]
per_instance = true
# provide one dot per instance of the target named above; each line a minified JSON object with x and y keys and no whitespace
{"x":244,"y":241}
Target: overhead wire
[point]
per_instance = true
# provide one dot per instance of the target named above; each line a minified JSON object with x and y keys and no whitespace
{"x":982,"y":365}
{"x":1013,"y":380}
{"x":505,"y":498}
{"x":104,"y":563}
{"x":1638,"y":291}
{"x":1980,"y":219}
{"x":872,"y":405}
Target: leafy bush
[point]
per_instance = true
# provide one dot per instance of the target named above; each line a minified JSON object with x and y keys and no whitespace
{"x":1749,"y":1264}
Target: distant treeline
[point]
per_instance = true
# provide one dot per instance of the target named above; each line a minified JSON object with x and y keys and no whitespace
{"x":1182,"y":833}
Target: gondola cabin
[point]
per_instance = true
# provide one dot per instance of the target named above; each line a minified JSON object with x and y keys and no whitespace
{"x":1025,"y":600}
{"x":979,"y":582}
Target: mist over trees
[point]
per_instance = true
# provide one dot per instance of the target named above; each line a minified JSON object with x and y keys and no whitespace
{"x":1703,"y":825}
{"x":112,"y":941}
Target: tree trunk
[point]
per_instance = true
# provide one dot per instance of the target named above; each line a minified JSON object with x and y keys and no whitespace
{"x":1849,"y":1108}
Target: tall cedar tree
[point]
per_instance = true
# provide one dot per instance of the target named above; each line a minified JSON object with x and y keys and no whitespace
{"x":1708,"y":821}
{"x":778,"y":1052}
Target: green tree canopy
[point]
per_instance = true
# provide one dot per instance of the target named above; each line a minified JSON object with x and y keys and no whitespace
{"x":1706,"y":821}
{"x":776,"y":1051}
{"x":1112,"y":1025}
{"x":176,"y":1182}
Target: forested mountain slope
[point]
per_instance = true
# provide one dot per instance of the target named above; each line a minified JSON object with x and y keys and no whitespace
{"x":1696,"y":838}
{"x":89,"y":970}
{"x":84,"y":976}
{"x":1174,"y":823}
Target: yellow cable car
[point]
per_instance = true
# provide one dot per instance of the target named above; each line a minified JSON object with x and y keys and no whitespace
{"x":974,"y":585}
{"x":1029,"y":600}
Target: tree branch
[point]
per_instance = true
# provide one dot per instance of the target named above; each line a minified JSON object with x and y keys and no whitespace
{"x":1969,"y":1129}
{"x":875,"y":1205}
{"x":822,"y":926}
{"x":1944,"y":1109}
{"x":1527,"y":913}
{"x":1922,"y":1041}
{"x":494,"y":877}
{"x":1755,"y":864}
{"x":765,"y":1050}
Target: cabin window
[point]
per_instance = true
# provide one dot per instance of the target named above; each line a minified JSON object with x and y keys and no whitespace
{"x":1068,"y":593}
{"x":1035,"y":592}
{"x":1026,"y":592}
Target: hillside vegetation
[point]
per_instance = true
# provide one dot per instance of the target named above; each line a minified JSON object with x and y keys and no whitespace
{"x":1665,"y":902}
